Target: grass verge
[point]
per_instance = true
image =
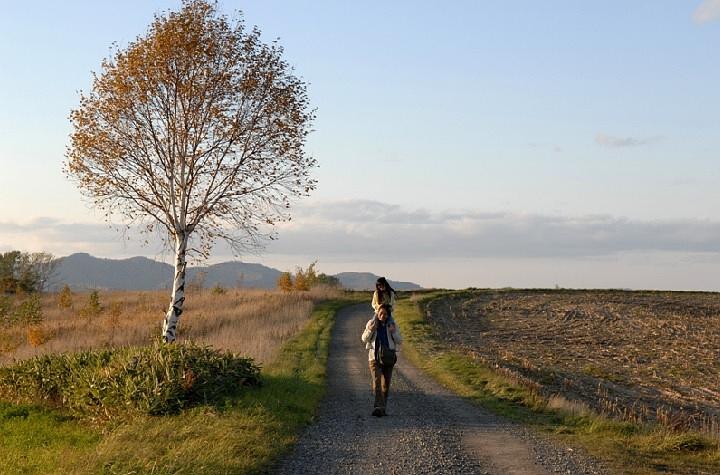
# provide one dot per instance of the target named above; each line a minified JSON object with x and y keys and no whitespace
{"x":626,"y":447}
{"x":246,"y":434}
{"x":37,"y":440}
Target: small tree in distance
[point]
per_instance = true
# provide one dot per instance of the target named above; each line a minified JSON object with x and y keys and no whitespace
{"x":93,"y":307}
{"x":199,"y":127}
{"x":305,"y":279}
{"x":302,"y":280}
{"x":284,"y":282}
{"x":65,"y":297}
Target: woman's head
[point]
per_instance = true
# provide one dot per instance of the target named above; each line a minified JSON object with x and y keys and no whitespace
{"x":382,"y":286}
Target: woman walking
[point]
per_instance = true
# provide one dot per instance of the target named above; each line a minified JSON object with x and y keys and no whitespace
{"x":382,"y":340}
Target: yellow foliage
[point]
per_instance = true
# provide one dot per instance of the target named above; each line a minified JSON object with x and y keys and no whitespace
{"x":302,"y":281}
{"x":36,"y":336}
{"x":284,"y":282}
{"x":65,"y":297}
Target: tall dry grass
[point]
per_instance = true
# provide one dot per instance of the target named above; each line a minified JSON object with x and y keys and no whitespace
{"x":252,"y":322}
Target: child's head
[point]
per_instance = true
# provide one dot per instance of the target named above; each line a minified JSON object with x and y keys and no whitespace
{"x":382,"y":313}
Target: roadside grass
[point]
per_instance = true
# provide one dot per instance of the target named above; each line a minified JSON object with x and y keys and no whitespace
{"x":38,"y":440}
{"x":624,"y":446}
{"x":246,"y":434}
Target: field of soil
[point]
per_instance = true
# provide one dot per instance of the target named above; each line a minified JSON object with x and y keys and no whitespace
{"x":642,"y":356}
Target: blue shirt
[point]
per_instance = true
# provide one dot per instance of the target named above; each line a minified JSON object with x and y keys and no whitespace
{"x":381,"y":337}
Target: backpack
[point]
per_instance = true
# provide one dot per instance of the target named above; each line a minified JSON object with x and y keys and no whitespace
{"x":386,"y":356}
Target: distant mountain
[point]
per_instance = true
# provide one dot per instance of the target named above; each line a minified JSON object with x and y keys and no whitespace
{"x":83,"y":271}
{"x":366,"y":281}
{"x":236,"y":274}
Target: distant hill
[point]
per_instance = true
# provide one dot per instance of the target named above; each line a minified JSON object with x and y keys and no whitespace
{"x":237,"y":274}
{"x":366,"y":281}
{"x":83,"y":271}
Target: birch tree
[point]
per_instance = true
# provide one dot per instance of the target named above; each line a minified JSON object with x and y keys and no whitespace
{"x":199,"y":127}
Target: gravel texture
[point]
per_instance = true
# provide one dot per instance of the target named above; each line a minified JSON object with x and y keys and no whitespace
{"x":428,"y":429}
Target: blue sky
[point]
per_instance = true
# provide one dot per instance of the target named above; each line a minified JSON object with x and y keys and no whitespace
{"x":484,"y":143}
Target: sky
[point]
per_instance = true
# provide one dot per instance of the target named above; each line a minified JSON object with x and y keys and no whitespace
{"x":460,"y":144}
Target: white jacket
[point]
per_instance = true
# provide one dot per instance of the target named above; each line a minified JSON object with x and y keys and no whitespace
{"x":368,"y":337}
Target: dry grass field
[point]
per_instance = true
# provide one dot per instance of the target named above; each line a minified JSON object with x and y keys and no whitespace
{"x":640,"y":356}
{"x":254,"y":323}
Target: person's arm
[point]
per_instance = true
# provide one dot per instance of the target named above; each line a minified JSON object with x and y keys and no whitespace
{"x":375,"y":303}
{"x":369,"y":332}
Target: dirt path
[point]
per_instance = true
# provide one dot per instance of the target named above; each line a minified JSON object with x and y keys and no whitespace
{"x":428,"y":430}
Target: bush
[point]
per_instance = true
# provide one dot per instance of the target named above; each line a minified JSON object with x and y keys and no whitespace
{"x":105,"y":384}
{"x":92,"y":308}
{"x":305,"y":279}
{"x":5,"y":309}
{"x":218,"y":289}
{"x":27,"y":312}
{"x":302,"y":280}
{"x":284,"y":282}
{"x":30,"y":311}
{"x":65,"y":297}
{"x":36,"y":336}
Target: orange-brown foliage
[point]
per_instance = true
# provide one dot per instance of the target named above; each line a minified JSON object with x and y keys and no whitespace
{"x":36,"y":336}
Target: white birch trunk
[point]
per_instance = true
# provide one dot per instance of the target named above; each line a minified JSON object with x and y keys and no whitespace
{"x":169,"y":328}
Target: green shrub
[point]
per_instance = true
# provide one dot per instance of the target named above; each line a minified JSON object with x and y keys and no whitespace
{"x":29,"y":311}
{"x":218,"y":289}
{"x":156,"y":379}
{"x":92,"y":308}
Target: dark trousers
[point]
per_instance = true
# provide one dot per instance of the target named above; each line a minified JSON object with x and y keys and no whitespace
{"x":380,"y":376}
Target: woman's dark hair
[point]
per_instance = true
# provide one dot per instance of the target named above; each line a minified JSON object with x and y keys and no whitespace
{"x":383,"y":281}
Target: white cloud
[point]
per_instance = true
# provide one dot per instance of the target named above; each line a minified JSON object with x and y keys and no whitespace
{"x":554,"y":147}
{"x":449,"y":248}
{"x":377,"y":231}
{"x":362,"y":230}
{"x":612,"y":141}
{"x":64,"y":238}
{"x":707,"y":11}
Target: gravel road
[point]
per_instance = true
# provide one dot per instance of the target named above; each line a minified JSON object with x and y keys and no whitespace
{"x":427,"y":430}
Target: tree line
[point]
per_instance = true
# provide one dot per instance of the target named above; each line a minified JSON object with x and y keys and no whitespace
{"x":26,"y":272}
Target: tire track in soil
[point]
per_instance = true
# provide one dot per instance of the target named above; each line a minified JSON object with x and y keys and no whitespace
{"x":427,"y":430}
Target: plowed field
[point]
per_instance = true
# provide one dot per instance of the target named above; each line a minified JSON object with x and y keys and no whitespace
{"x":650,"y":356}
